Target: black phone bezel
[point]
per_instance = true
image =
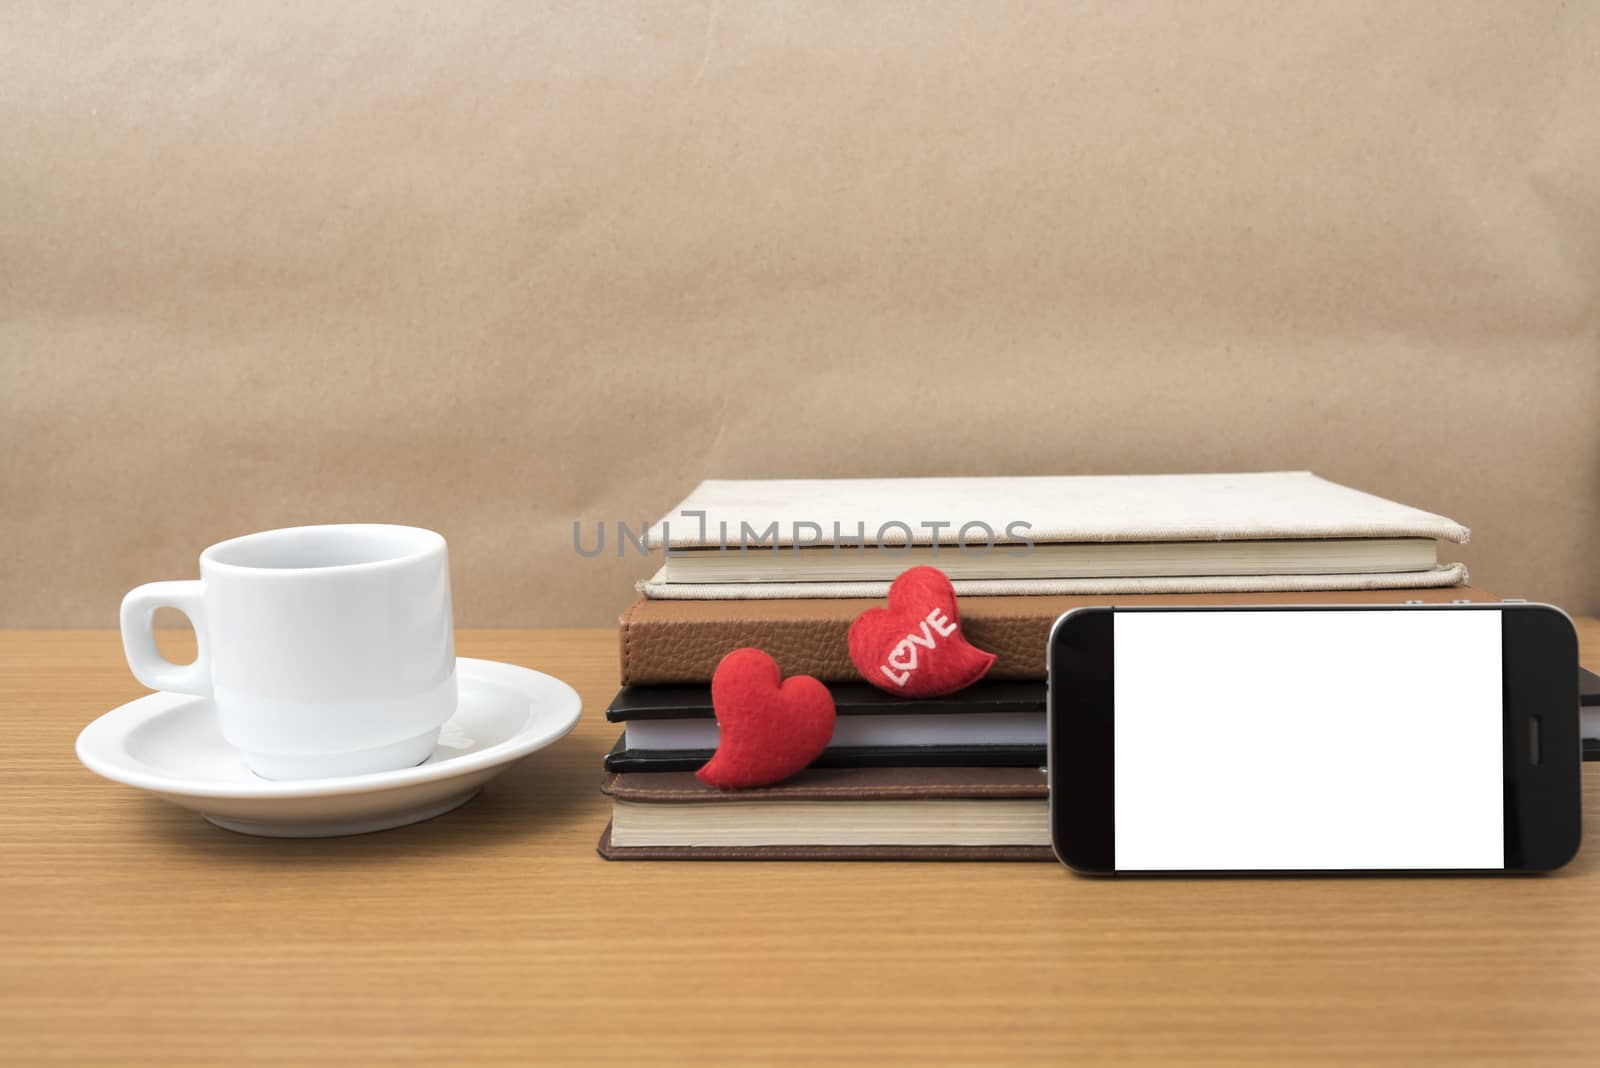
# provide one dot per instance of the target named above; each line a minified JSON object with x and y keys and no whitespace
{"x":1542,"y":812}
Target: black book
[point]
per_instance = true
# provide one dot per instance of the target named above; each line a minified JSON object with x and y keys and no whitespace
{"x":990,"y":724}
{"x":682,"y":731}
{"x":1589,"y":712}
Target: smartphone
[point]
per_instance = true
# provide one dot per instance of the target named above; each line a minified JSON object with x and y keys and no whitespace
{"x":1404,"y":738}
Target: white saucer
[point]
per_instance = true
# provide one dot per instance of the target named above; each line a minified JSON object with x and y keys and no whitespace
{"x":169,"y":744}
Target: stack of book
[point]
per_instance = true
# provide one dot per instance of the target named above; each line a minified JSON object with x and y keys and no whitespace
{"x":786,"y":566}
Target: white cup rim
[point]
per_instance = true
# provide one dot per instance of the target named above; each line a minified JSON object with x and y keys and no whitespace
{"x":409,"y":544}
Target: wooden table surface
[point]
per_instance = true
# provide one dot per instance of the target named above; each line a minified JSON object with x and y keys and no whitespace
{"x":134,"y":933}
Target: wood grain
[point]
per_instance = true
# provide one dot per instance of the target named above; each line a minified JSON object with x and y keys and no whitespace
{"x":137,"y":934}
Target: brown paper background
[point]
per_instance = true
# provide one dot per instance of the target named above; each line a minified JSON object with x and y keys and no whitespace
{"x":493,"y":267}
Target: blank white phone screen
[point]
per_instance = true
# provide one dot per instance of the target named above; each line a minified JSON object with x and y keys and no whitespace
{"x":1308,"y":740}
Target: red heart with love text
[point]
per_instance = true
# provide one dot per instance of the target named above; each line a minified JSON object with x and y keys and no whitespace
{"x":770,"y":727}
{"x":914,"y":647}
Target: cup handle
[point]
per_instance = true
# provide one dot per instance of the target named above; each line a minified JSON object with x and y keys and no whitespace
{"x":139,"y":639}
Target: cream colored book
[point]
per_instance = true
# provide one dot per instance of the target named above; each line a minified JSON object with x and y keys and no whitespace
{"x":1283,"y":530}
{"x":871,"y":808}
{"x":1071,"y":560}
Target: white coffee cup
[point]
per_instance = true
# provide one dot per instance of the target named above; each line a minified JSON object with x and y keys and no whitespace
{"x":327,"y":650}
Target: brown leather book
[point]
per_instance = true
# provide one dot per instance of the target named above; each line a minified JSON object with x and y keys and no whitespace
{"x":682,"y":641}
{"x":833,"y":814}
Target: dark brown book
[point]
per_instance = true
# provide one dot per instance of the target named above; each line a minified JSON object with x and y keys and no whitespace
{"x":835,"y":814}
{"x":666,"y":641}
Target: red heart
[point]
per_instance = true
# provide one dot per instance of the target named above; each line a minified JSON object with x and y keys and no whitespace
{"x":914,"y":647}
{"x":769,"y":730}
